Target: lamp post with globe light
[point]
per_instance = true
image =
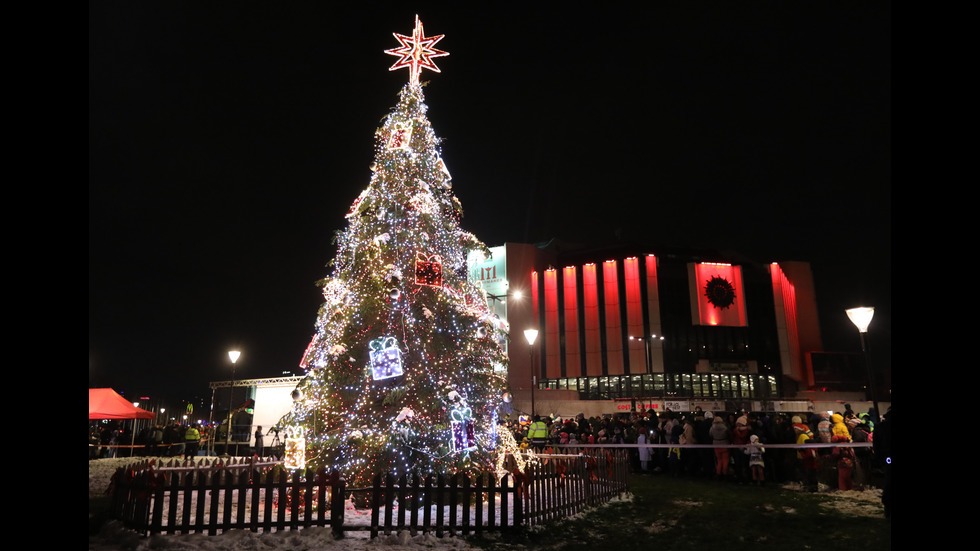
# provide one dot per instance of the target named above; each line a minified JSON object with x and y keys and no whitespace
{"x":861,"y":318}
{"x":531,"y":335}
{"x":233,"y":355}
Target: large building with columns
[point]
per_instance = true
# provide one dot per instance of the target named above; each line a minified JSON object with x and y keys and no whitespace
{"x":635,"y":327}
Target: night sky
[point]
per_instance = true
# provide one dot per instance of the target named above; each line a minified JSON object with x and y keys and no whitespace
{"x":227,"y":140}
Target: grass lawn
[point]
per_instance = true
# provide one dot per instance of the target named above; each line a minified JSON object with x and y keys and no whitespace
{"x":664,"y":513}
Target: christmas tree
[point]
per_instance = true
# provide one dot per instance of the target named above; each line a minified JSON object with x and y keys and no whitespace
{"x":405,"y":373}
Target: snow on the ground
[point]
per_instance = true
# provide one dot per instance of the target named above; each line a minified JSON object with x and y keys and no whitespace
{"x":114,"y":537}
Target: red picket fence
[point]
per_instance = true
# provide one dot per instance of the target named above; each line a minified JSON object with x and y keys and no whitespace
{"x":259,"y":496}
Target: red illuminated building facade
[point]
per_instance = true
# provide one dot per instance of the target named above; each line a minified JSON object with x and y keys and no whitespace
{"x":630,"y":322}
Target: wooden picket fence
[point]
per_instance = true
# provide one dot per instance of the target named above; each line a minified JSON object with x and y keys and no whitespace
{"x":256,"y":495}
{"x":249,"y":495}
{"x":561,"y":485}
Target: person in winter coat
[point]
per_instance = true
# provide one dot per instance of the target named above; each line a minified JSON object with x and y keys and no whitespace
{"x":192,"y":440}
{"x":538,"y":433}
{"x":689,"y":462}
{"x":807,"y":456}
{"x":845,"y":464}
{"x":756,"y":463}
{"x":169,"y":437}
{"x":155,"y":439}
{"x":674,"y":454}
{"x":644,"y":451}
{"x":706,"y":456}
{"x":861,"y":432}
{"x":883,"y":456}
{"x":721,"y":438}
{"x":839,"y":428}
{"x":824,"y":425}
{"x":740,"y":437}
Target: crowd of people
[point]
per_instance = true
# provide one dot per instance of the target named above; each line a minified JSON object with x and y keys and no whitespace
{"x":171,"y":440}
{"x":734,"y":444}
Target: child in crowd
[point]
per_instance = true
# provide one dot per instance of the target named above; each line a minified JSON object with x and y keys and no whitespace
{"x":643,"y":451}
{"x":758,"y":466}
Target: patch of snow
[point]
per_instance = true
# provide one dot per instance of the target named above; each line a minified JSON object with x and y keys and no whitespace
{"x":115,"y":537}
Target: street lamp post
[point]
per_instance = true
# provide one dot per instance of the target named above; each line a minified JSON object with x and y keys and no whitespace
{"x":531,"y":335}
{"x":861,"y":318}
{"x":212,"y":430}
{"x":646,"y":351}
{"x":233,"y":356}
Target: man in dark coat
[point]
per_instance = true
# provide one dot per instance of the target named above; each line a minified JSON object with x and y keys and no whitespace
{"x":882,"y":445}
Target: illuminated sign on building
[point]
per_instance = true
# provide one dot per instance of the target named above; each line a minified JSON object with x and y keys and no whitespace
{"x":490,"y":274}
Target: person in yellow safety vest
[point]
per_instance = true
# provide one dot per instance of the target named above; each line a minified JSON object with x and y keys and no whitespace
{"x":192,"y":439}
{"x":538,"y":432}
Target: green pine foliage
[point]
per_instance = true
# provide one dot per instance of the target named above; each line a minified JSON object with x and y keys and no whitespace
{"x":399,"y":287}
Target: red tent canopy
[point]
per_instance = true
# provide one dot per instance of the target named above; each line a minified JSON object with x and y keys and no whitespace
{"x":105,"y":403}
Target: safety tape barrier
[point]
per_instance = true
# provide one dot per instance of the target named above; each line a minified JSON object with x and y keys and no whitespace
{"x":794,"y":446}
{"x":161,"y":445}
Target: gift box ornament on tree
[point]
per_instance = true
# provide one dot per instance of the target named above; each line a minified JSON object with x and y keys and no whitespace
{"x":295,"y":450}
{"x":386,"y":358}
{"x":400,"y":136}
{"x":464,"y":437}
{"x":428,"y":270}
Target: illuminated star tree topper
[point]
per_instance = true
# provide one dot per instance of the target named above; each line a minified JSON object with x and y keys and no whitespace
{"x":416,"y":52}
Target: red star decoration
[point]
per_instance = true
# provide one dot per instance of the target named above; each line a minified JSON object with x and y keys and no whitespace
{"x":416,"y":52}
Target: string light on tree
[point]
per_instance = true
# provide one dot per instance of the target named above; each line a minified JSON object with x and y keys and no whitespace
{"x":400,"y":377}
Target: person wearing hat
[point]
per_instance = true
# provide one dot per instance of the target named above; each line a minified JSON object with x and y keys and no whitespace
{"x":839,"y":428}
{"x":807,"y":456}
{"x":860,"y":432}
{"x":824,"y":428}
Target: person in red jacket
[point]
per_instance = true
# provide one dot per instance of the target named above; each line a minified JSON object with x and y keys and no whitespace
{"x":845,"y":463}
